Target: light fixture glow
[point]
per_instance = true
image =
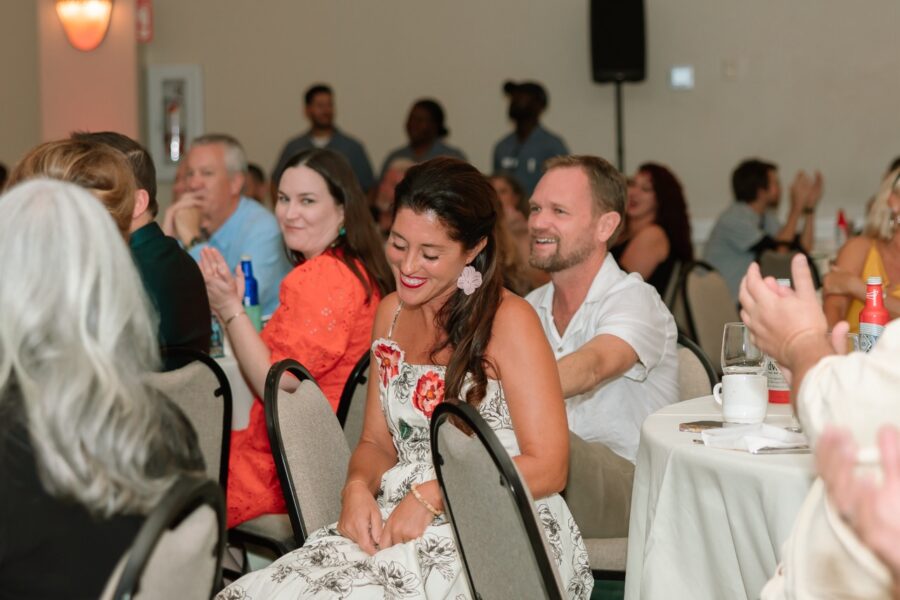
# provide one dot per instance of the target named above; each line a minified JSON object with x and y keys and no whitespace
{"x":84,"y":21}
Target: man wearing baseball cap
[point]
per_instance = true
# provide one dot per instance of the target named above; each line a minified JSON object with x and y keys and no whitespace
{"x":522,"y":153}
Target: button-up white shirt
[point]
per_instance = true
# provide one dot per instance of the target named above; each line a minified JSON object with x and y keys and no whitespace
{"x":622,"y":305}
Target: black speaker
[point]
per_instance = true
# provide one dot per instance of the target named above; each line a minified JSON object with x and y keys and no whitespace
{"x":618,"y":45}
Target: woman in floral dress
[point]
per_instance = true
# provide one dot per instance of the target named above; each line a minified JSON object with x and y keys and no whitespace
{"x":449,"y":332}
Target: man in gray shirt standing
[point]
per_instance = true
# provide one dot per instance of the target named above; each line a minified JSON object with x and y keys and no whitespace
{"x":319,"y":111}
{"x":750,"y":225}
{"x":522,"y":153}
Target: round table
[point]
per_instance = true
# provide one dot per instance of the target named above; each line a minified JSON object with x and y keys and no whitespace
{"x":707,"y":522}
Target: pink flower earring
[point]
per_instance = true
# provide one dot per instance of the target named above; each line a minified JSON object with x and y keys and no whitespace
{"x":469,"y":280}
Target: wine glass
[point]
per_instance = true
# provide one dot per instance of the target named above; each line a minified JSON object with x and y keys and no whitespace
{"x":739,"y":354}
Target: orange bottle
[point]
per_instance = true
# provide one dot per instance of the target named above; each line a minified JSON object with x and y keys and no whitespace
{"x":874,"y":316}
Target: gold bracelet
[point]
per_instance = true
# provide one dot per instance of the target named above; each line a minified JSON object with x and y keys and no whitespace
{"x":415,"y":492}
{"x":233,"y":317}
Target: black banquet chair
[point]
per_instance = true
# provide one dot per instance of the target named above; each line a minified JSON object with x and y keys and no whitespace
{"x":492,"y":513}
{"x":200,"y":388}
{"x":311,"y":457}
{"x":178,"y":550}
{"x":352,"y":405}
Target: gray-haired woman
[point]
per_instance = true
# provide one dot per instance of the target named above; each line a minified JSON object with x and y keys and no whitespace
{"x":86,"y":449}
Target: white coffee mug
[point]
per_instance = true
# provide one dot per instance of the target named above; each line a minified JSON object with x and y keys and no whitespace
{"x":743,"y":398}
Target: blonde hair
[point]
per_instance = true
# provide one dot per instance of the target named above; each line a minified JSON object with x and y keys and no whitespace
{"x":76,"y":337}
{"x":100,"y":169}
{"x":881,"y":221}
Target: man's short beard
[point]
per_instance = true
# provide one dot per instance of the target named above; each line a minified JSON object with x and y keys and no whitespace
{"x":557,"y":262}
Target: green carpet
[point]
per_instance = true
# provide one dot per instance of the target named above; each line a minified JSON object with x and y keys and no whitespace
{"x":605,"y":589}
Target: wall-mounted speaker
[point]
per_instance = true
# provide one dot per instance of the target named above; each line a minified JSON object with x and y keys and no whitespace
{"x":618,"y":44}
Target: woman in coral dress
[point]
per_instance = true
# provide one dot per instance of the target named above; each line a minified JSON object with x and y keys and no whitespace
{"x":450,"y":332}
{"x":328,"y":304}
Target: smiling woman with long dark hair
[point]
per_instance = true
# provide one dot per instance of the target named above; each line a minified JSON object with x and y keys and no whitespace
{"x":450,"y":332}
{"x":328,"y":304}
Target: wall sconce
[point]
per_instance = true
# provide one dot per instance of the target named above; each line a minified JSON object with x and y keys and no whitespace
{"x":84,"y":21}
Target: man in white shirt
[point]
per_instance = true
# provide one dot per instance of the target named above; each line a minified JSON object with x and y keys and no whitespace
{"x":614,"y":339}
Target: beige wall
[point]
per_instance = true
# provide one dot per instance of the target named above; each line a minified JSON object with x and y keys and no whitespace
{"x":19,"y":101}
{"x":49,"y":88}
{"x":815,"y":81}
{"x":90,"y":91}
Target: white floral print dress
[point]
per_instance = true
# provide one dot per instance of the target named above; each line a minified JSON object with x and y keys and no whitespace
{"x":331,"y":566}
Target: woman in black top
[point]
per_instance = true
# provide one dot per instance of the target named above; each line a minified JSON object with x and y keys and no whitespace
{"x":86,"y":449}
{"x":657,"y":232}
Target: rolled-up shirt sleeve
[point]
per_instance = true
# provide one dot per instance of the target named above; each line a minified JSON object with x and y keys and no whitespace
{"x":641,"y":325}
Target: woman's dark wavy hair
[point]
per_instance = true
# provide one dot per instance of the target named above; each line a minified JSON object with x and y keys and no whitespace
{"x":671,"y":210}
{"x":362,"y":242}
{"x":465,"y":203}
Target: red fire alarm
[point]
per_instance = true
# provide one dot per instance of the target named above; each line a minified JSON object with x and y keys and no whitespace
{"x":144,"y":17}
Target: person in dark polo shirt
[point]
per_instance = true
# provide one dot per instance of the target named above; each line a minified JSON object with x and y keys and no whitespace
{"x":171,"y":277}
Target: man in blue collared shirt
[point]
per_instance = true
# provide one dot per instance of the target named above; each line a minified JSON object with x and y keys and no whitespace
{"x":522,"y":153}
{"x":319,"y":111}
{"x":221,"y":218}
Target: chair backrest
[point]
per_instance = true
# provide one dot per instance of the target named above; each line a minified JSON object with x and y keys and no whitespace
{"x":352,"y":406}
{"x":501,"y":544}
{"x":670,"y":294}
{"x":775,"y":264}
{"x":696,"y":373}
{"x":708,"y":306}
{"x":178,"y":551}
{"x":778,"y":265}
{"x":310,"y":451}
{"x":200,"y":389}
{"x":675,"y":300}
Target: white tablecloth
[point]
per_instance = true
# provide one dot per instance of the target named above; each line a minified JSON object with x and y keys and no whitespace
{"x":705,"y":522}
{"x":241,"y":396}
